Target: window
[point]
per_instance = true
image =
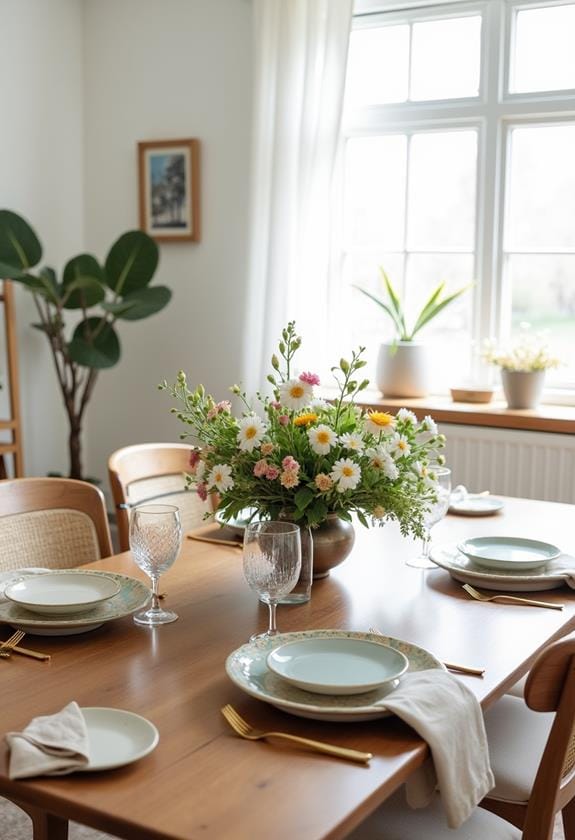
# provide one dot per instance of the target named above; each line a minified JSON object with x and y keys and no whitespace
{"x":458,"y":165}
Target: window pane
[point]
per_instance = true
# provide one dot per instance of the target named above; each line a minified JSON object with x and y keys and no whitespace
{"x":441,"y":203}
{"x":378,"y":66}
{"x":541,"y":210}
{"x":446,"y":58}
{"x":543,"y":295}
{"x":544,"y":55}
{"x":375,"y":192}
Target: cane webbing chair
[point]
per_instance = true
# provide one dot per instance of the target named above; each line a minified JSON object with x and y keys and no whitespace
{"x":153,"y":473}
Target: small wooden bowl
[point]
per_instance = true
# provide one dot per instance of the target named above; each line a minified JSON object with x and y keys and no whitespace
{"x":472,"y":395}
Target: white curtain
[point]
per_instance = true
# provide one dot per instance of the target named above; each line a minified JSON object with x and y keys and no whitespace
{"x":300,"y":56}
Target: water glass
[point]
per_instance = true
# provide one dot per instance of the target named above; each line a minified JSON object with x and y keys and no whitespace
{"x":272,"y":563}
{"x":434,"y":513}
{"x":155,"y":540}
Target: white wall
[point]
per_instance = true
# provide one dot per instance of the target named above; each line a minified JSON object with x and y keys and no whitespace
{"x":41,"y":177}
{"x":160,"y":70}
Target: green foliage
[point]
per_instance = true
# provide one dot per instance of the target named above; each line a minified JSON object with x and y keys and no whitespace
{"x":435,"y":304}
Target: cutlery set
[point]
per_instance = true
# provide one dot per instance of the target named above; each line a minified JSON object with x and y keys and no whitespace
{"x":11,"y":646}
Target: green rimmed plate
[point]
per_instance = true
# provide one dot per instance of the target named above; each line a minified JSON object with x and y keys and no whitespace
{"x":247,"y":668}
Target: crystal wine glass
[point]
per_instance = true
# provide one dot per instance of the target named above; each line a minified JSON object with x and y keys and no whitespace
{"x":272,"y":563}
{"x":434,"y":513}
{"x":155,"y":540}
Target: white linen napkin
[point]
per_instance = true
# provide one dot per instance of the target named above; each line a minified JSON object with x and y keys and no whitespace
{"x":52,"y":745}
{"x":448,"y":716}
{"x":564,"y":565}
{"x":6,"y":578}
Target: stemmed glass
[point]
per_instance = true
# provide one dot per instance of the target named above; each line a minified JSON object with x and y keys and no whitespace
{"x":434,"y":514}
{"x":272,"y":563}
{"x":155,"y":540}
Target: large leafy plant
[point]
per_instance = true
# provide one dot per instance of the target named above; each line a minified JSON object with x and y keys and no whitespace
{"x":393,"y":307}
{"x":118,"y":290}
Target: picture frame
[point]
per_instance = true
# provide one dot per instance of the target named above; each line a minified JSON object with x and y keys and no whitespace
{"x":169,"y":189}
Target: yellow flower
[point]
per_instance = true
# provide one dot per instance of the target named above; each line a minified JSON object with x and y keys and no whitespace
{"x":379,"y":421}
{"x":379,"y":512}
{"x":305,"y":419}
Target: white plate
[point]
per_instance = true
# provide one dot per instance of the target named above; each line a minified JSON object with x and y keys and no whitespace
{"x":133,"y":595}
{"x":476,"y":505}
{"x":508,"y":552}
{"x":465,"y":570}
{"x":237,"y":523}
{"x":247,"y":668}
{"x":62,"y":594}
{"x":117,"y":737}
{"x":337,"y":666}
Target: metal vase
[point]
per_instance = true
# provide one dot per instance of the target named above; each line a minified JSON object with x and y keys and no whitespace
{"x":332,"y":542}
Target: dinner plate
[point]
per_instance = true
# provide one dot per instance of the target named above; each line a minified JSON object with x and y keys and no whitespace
{"x":508,"y":552}
{"x":133,"y":595}
{"x":247,"y":668}
{"x":117,"y":737}
{"x":465,"y":570}
{"x":476,"y":505}
{"x":337,"y":666}
{"x":62,"y":594}
{"x":237,"y":523}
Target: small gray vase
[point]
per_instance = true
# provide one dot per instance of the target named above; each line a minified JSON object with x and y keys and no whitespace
{"x":522,"y":388}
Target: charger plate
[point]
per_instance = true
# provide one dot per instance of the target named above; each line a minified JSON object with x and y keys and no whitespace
{"x":247,"y":668}
{"x":133,"y":595}
{"x":463,"y":569}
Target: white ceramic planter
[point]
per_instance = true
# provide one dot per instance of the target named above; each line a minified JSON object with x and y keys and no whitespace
{"x":522,"y":388}
{"x":402,"y":369}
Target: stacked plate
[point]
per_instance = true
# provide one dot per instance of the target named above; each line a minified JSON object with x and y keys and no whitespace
{"x":68,"y":602}
{"x":333,"y":675}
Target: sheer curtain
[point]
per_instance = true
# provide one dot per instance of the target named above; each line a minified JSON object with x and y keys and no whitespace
{"x":300,"y":56}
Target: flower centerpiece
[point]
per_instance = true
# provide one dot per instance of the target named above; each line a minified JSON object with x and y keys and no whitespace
{"x":307,"y":459}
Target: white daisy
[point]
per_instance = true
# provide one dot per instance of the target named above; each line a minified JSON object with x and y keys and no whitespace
{"x":295,"y":394}
{"x":407,"y":416}
{"x":353,"y":441}
{"x":317,"y":404}
{"x":251,"y":431}
{"x":200,"y":470}
{"x":321,"y":439}
{"x":346,"y":474}
{"x":220,"y":477}
{"x":399,"y":446}
{"x":380,"y":458}
{"x":377,"y":422}
{"x":390,"y":468}
{"x":428,"y":428}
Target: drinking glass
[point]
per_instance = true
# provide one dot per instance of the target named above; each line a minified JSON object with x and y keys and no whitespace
{"x":272,"y":563}
{"x":155,"y":540}
{"x":435,"y":512}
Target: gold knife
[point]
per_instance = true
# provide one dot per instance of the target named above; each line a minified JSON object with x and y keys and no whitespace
{"x":33,"y":654}
{"x":231,"y":543}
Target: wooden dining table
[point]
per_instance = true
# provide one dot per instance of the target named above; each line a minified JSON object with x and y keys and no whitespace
{"x":203,"y":782}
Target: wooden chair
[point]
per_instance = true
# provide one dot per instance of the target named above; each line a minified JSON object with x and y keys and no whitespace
{"x":550,"y":688}
{"x":153,"y":472}
{"x":58,"y":523}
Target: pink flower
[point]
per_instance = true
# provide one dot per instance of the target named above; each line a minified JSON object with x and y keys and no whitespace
{"x":283,"y":420}
{"x":261,"y":468}
{"x":267,"y":448}
{"x":276,"y":405}
{"x":224,"y":405}
{"x":310,"y":378}
{"x":202,"y":491}
{"x":289,"y":479}
{"x":290,"y":464}
{"x":272,"y":473}
{"x":194,"y":458}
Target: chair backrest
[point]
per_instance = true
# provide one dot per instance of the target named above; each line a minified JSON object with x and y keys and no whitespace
{"x":550,"y":687}
{"x":57,"y":523}
{"x":153,"y":472}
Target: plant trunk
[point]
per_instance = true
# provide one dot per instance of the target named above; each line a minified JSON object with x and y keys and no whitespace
{"x":75,"y":449}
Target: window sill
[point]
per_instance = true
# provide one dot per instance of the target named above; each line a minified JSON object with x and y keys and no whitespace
{"x":546,"y":418}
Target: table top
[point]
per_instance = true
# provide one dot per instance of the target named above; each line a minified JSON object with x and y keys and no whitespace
{"x":204,"y":782}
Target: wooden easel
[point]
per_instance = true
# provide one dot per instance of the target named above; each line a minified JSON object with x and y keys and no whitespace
{"x":14,"y":422}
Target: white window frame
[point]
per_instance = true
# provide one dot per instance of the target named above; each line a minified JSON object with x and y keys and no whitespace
{"x":494,"y":113}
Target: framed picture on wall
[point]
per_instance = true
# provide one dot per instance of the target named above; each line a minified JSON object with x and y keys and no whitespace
{"x":169,"y":173}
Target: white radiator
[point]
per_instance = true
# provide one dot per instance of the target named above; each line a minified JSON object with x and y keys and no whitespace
{"x":534,"y":465}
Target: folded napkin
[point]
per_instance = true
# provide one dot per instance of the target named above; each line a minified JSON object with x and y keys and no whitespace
{"x":448,"y":716}
{"x":564,"y":565}
{"x":6,"y":578}
{"x":52,"y":745}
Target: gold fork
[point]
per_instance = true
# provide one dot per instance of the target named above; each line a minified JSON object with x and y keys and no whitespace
{"x":451,"y":666}
{"x":244,"y":730}
{"x":480,"y":596}
{"x":7,"y":646}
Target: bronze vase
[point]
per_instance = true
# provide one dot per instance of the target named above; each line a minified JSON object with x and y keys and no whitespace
{"x":333,"y":540}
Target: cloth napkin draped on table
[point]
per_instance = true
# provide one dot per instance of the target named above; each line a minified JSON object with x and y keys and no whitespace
{"x":52,"y":745}
{"x":448,"y":716}
{"x":564,"y":565}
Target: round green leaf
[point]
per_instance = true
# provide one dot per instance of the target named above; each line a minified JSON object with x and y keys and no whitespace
{"x":145,"y":302}
{"x":103,"y":351}
{"x":19,"y":245}
{"x":132,"y":262}
{"x":83,"y":282}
